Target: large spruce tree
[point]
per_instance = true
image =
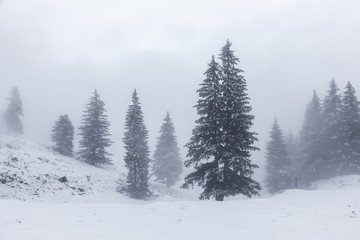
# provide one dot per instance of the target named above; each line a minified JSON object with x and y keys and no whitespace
{"x":331,"y":134}
{"x":222,"y":141}
{"x":137,"y":151}
{"x":350,"y":131}
{"x":167,"y":164}
{"x":94,"y":132}
{"x":310,"y":144}
{"x":62,"y":135}
{"x":278,"y":168}
{"x":13,"y":112}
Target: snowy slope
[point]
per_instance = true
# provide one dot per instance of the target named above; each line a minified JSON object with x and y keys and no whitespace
{"x":344,"y":182}
{"x":33,"y":171}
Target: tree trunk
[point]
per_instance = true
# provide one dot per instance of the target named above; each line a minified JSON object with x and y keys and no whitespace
{"x":219,"y":197}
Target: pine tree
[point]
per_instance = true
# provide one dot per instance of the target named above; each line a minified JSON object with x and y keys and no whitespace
{"x":205,"y":143}
{"x":137,"y":151}
{"x":310,"y":144}
{"x":292,"y":148}
{"x":62,"y":134}
{"x":94,"y":132}
{"x":221,"y":143}
{"x":331,"y":134}
{"x":278,"y":167}
{"x":13,"y":113}
{"x":167,"y":164}
{"x":350,"y":128}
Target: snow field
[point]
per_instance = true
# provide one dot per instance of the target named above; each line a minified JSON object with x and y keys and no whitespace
{"x":294,"y":214}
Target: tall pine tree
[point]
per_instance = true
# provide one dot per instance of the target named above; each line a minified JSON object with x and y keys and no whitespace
{"x":137,"y":151}
{"x":205,"y":143}
{"x":310,"y":144}
{"x":278,"y":168}
{"x":94,"y":132}
{"x":350,"y":129}
{"x":331,"y":134}
{"x":167,"y":164}
{"x":13,"y":113}
{"x":62,"y":135}
{"x":222,"y":141}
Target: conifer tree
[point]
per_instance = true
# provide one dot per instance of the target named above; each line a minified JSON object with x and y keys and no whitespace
{"x":222,"y":141}
{"x":278,"y":162}
{"x":62,"y":135}
{"x":137,"y":151}
{"x":13,"y":113}
{"x":310,"y":159}
{"x":292,"y":148}
{"x":350,"y":129}
{"x":205,"y":143}
{"x":331,"y":134}
{"x":94,"y":132}
{"x":167,"y":164}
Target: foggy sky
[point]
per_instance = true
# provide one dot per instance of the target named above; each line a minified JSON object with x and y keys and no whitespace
{"x":58,"y":52}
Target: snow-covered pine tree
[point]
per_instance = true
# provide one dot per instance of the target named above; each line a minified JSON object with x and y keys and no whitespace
{"x":13,"y":113}
{"x":94,"y":132}
{"x":310,"y":143}
{"x":62,"y":135}
{"x":167,"y":164}
{"x":350,"y":129}
{"x":204,"y":148}
{"x":137,"y":151}
{"x":235,"y":164}
{"x":278,"y":168}
{"x":331,"y":134}
{"x":222,"y":141}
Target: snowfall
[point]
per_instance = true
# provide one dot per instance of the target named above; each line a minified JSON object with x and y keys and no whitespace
{"x":37,"y":203}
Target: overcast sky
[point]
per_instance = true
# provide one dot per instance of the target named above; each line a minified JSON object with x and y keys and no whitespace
{"x":57,"y":52}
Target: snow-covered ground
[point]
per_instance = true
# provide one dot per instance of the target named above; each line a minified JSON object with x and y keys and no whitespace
{"x":33,"y":171}
{"x":35,"y":205}
{"x":294,"y":214}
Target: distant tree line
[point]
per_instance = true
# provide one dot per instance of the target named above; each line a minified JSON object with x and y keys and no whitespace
{"x":219,"y":151}
{"x":328,"y":144}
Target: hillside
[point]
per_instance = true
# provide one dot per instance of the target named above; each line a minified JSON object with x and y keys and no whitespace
{"x":34,"y":171}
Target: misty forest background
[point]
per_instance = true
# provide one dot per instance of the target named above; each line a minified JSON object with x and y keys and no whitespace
{"x":224,"y":138}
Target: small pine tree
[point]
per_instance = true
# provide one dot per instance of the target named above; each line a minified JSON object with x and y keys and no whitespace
{"x":222,"y":141}
{"x":13,"y":113}
{"x":94,"y":132}
{"x":310,"y":144}
{"x":137,"y":151}
{"x":350,"y":128}
{"x":167,"y":164}
{"x":331,"y":134}
{"x":62,"y":134}
{"x":278,"y":162}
